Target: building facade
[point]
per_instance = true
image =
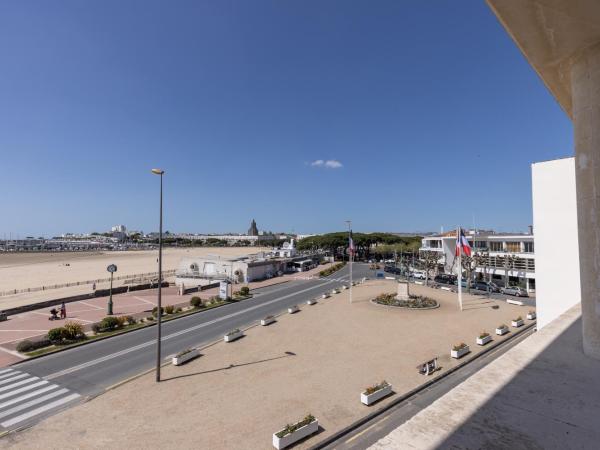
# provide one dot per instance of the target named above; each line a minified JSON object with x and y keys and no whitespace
{"x":506,"y":259}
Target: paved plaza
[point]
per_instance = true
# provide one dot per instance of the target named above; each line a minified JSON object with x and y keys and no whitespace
{"x":315,"y":361}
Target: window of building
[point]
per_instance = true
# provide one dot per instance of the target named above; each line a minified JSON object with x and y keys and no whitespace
{"x":528,"y":247}
{"x":496,"y":247}
{"x":434,"y":244}
{"x":513,"y":247}
{"x":480,"y":244}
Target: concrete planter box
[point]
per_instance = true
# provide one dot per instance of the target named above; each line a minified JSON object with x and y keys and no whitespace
{"x":460,"y":352}
{"x":485,"y":340}
{"x":369,"y":399}
{"x":178,"y":360}
{"x":267,"y":321}
{"x":514,"y":302}
{"x":293,"y":309}
{"x":344,"y":287}
{"x":233,"y":336}
{"x":517,"y":323}
{"x":501,"y":331}
{"x":335,"y":291}
{"x":300,"y":433}
{"x":325,"y":296}
{"x":531,"y":316}
{"x":312,"y":301}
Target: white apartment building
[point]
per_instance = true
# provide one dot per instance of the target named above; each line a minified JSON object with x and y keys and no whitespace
{"x":508,"y":258}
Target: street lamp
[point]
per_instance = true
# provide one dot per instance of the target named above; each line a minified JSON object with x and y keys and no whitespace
{"x":112,"y":269}
{"x":351,"y":253}
{"x":159,"y":306}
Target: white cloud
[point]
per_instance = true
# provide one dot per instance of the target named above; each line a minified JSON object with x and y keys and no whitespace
{"x":329,"y":164}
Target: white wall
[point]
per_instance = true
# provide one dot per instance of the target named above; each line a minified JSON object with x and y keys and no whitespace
{"x":556,"y":243}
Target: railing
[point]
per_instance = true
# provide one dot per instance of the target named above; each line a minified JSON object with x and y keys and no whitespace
{"x":132,"y":277}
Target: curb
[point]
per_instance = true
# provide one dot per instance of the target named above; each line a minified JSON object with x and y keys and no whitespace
{"x":369,"y":417}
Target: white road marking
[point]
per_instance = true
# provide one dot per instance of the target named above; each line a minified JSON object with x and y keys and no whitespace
{"x":39,"y":410}
{"x":18,"y":383}
{"x":26,"y":396}
{"x":33,"y":402}
{"x":23,"y":389}
{"x":15,"y":377}
{"x":8,"y":374}
{"x":90,"y":305}
{"x":178,"y":333}
{"x":6,"y":370}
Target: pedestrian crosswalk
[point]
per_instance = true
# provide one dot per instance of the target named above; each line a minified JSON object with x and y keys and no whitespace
{"x":25,"y":398}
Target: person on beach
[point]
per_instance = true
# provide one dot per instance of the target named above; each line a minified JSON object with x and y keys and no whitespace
{"x":63,"y":311}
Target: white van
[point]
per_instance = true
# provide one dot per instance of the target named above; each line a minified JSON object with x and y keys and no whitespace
{"x":419,"y":274}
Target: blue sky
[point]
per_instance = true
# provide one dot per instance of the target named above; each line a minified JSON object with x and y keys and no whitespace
{"x":399,"y":115}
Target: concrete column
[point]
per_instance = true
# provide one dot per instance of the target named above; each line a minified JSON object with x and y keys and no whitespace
{"x":585,"y":89}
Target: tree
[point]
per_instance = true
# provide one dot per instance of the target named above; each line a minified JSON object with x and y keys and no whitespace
{"x":468,"y":264}
{"x":482,"y":259}
{"x":508,"y":263}
{"x":429,"y":262}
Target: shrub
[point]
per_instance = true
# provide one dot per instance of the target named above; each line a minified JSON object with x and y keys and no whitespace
{"x":109,"y":323}
{"x":245,"y":290}
{"x":178,"y":310}
{"x":377,"y":387}
{"x":55,"y":335}
{"x":25,"y":346}
{"x":130,"y":320}
{"x":196,"y":302}
{"x":96,"y":328}
{"x":237,"y":330}
{"x":483,"y":334}
{"x":518,"y":318}
{"x":149,"y":318}
{"x":121,"y":320}
{"x":459,"y":346}
{"x":501,"y":326}
{"x":155,"y":311}
{"x":289,"y":429}
{"x":169,"y":309}
{"x":29,"y":346}
{"x":73,"y":331}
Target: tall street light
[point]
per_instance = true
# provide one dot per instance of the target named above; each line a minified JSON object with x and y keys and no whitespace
{"x":350,"y":253}
{"x":159,"y":306}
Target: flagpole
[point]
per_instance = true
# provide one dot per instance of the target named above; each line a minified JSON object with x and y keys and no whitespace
{"x":459,"y":247}
{"x":351,"y":253}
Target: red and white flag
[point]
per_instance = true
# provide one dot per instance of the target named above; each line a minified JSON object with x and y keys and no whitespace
{"x":462,"y":245}
{"x":351,"y":247}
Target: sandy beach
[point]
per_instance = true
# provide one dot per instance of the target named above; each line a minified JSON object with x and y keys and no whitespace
{"x":32,"y":270}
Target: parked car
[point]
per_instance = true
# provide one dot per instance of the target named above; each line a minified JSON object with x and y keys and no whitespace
{"x":419,"y":274}
{"x":514,"y":290}
{"x":484,"y":286}
{"x":444,"y":278}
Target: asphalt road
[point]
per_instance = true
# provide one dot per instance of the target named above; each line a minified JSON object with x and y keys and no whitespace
{"x":35,"y":389}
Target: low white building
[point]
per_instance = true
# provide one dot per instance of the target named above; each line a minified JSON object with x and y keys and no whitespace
{"x":507,"y":258}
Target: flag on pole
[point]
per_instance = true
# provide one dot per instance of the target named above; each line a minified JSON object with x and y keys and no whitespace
{"x":351,"y":247}
{"x":462,"y":245}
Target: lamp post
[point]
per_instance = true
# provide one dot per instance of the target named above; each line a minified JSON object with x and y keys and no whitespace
{"x":350,"y":253}
{"x":159,"y":306}
{"x":112,"y":269}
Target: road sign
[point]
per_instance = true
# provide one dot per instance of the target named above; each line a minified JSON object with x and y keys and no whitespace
{"x":112,"y":268}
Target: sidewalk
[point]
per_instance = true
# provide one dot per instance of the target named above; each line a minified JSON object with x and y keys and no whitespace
{"x":35,"y":324}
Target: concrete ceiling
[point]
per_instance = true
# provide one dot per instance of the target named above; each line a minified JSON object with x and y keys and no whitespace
{"x":551,"y":34}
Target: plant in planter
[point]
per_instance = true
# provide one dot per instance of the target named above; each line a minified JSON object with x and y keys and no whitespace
{"x":501,"y":329}
{"x":233,"y":335}
{"x":483,"y":338}
{"x":460,"y":350}
{"x":376,"y":392}
{"x":518,"y":322}
{"x":245,"y":290}
{"x":293,"y":309}
{"x":185,"y":355}
{"x":267,"y":320}
{"x":531,"y":315}
{"x":292,"y":433}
